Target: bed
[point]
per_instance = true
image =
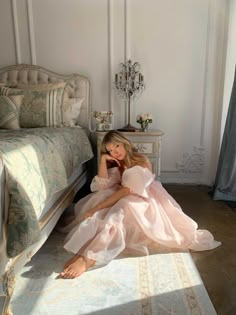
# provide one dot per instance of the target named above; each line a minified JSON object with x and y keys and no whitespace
{"x":45,"y":151}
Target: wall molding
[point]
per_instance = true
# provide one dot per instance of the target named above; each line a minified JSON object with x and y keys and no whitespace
{"x":110,"y":37}
{"x":205,"y":75}
{"x":31,"y":32}
{"x":192,"y":162}
{"x":126,"y":31}
{"x":16,"y":31}
{"x":126,"y":44}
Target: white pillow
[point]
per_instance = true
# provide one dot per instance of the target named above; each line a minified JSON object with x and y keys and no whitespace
{"x":70,"y":111}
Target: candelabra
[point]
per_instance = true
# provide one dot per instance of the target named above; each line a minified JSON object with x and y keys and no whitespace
{"x":129,"y":82}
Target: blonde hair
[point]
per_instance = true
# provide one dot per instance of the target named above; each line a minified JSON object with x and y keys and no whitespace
{"x":132,"y":155}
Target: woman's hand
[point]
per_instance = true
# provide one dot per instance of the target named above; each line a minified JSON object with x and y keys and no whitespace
{"x":108,"y":158}
{"x":108,"y":202}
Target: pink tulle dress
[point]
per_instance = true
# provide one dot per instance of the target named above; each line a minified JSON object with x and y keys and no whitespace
{"x":149,"y":214}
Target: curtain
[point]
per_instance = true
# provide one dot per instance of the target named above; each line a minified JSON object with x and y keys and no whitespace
{"x":225,"y":182}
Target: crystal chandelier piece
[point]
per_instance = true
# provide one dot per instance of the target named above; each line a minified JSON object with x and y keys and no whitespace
{"x":129,"y":82}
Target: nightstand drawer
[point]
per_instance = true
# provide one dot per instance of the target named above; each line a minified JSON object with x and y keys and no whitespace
{"x":145,"y":147}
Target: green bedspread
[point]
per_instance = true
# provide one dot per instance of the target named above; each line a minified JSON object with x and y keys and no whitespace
{"x":38,"y":162}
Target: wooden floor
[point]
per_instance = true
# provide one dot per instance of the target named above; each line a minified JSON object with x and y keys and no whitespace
{"x":217,"y":267}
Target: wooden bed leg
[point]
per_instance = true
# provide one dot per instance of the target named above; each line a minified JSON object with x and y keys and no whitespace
{"x":8,"y":282}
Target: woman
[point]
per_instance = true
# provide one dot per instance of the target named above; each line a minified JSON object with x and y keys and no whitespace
{"x":129,"y":210}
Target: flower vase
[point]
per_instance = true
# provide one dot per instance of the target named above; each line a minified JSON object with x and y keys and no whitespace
{"x":144,"y":126}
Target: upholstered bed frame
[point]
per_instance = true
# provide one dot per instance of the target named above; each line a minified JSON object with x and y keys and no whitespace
{"x":79,"y":87}
{"x":24,"y":74}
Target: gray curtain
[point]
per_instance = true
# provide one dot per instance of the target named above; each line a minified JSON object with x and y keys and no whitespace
{"x":225,"y":182}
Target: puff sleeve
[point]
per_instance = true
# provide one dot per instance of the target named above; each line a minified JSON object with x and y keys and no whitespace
{"x":100,"y":183}
{"x":138,"y":180}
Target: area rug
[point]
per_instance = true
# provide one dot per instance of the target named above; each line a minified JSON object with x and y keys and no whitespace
{"x":162,"y":283}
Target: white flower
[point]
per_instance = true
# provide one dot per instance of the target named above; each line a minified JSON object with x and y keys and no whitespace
{"x":144,"y":118}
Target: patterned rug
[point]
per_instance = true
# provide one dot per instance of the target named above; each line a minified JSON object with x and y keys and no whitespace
{"x":163,"y":283}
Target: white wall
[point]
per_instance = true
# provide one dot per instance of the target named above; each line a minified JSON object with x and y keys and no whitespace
{"x":179,"y":44}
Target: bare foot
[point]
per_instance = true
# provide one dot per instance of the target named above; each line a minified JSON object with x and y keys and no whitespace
{"x":76,"y":266}
{"x":70,"y":261}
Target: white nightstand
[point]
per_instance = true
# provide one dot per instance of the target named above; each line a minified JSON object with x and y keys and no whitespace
{"x":148,"y":143}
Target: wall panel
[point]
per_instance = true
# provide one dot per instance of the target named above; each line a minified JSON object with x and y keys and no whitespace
{"x":169,"y":39}
{"x":7,"y":36}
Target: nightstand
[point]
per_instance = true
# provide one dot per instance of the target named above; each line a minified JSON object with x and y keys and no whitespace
{"x":148,"y":143}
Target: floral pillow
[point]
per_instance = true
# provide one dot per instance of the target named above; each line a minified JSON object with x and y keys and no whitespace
{"x":70,"y":108}
{"x":9,"y":111}
{"x":42,"y":108}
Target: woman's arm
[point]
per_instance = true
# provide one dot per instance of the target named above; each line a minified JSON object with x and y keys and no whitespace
{"x":102,"y":170}
{"x":110,"y":201}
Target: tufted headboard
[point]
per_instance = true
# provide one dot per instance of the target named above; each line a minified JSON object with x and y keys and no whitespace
{"x":24,"y":74}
